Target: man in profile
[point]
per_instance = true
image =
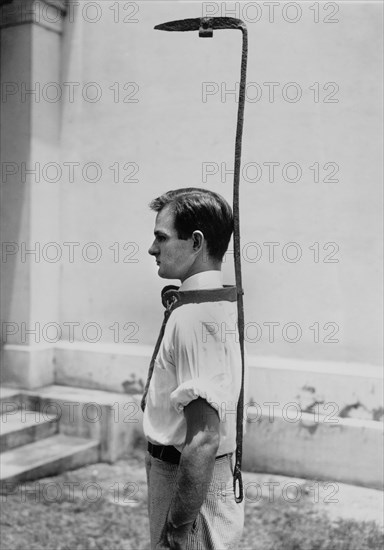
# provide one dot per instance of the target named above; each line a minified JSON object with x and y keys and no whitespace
{"x":194,"y":379}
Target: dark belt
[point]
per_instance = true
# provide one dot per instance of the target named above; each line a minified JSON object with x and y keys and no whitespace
{"x":169,"y":453}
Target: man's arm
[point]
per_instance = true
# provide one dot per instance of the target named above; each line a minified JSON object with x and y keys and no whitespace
{"x":195,"y":469}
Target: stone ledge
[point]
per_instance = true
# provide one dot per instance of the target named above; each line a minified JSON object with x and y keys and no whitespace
{"x":349,"y":450}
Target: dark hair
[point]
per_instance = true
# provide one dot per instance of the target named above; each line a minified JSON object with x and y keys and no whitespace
{"x":199,"y":209}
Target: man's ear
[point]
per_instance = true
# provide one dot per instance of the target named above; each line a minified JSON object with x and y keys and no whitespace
{"x":198,"y":240}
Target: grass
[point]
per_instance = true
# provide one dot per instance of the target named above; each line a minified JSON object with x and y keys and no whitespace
{"x":104,"y":507}
{"x":290,"y":527}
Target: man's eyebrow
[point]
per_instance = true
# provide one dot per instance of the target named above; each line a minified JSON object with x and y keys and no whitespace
{"x":159,"y":232}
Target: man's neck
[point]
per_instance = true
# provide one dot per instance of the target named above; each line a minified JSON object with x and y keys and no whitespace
{"x":202,"y":267}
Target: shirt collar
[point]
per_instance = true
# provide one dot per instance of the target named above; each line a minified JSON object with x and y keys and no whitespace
{"x":203,"y":280}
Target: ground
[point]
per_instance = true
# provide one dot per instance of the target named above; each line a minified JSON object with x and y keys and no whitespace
{"x":104,"y":507}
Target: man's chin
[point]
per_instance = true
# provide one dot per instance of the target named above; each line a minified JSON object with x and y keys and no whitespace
{"x":164,"y":275}
{"x":160,"y":272}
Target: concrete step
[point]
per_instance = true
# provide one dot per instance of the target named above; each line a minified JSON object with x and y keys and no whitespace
{"x":21,"y":427}
{"x":10,"y":399}
{"x":50,"y":456}
{"x":114,"y":419}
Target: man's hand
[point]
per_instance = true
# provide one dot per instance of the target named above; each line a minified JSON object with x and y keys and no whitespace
{"x":177,"y":537}
{"x":173,"y":538}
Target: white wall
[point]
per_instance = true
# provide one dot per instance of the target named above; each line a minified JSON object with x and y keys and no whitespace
{"x":170,"y":132}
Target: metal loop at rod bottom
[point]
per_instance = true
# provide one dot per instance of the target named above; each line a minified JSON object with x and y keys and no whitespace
{"x":238,"y":484}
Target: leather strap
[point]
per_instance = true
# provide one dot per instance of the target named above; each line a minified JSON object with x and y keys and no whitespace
{"x":173,"y":298}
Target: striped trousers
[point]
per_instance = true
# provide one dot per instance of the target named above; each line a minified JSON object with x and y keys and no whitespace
{"x":220,"y":522}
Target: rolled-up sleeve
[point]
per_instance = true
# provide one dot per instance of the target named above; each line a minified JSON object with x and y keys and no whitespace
{"x":203,"y":365}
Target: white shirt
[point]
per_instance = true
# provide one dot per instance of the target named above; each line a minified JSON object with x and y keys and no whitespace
{"x":199,"y":356}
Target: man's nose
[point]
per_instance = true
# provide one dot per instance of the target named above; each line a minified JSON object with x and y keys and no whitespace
{"x":152,"y":250}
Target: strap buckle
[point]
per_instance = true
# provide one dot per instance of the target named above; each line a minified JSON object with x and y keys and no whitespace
{"x":169,"y":296}
{"x":171,"y":301}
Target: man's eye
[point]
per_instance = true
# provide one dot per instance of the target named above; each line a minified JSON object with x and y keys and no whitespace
{"x":160,"y":238}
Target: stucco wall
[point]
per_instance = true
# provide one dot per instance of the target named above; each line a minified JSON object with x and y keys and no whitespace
{"x":162,"y":125}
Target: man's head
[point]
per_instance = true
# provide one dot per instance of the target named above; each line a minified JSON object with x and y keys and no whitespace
{"x":192,"y":232}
